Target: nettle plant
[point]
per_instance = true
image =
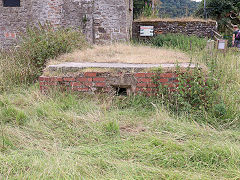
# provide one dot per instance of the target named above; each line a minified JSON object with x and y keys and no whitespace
{"x":194,"y":91}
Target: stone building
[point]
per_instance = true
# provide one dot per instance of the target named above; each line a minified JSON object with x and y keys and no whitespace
{"x":101,"y":20}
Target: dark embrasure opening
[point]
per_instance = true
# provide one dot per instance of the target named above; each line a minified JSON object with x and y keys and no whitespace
{"x":11,"y":3}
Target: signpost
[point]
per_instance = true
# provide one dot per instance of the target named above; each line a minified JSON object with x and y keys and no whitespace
{"x":146,"y":31}
{"x":222,"y":44}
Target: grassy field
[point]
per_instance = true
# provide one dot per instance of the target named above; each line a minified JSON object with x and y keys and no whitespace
{"x":67,"y":136}
{"x":79,"y":136}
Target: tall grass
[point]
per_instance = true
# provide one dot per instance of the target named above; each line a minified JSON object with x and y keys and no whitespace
{"x":76,"y":136}
{"x":225,"y":68}
{"x":69,"y":136}
{"x":180,"y":41}
{"x":24,"y":64}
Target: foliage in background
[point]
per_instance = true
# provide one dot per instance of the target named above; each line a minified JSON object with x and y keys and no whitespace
{"x":138,"y":6}
{"x":167,"y":8}
{"x":146,"y":8}
{"x":178,"y":8}
{"x":225,"y":12}
{"x":180,"y":41}
{"x":24,"y":64}
{"x":149,"y":12}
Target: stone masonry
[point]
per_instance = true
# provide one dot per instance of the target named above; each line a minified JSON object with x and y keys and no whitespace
{"x":101,"y":21}
{"x":196,"y":27}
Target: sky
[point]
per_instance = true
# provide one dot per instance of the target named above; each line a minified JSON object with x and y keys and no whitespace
{"x":197,"y":0}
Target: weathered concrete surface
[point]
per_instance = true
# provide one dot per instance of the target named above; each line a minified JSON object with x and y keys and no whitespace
{"x":117,"y":65}
{"x":71,"y":66}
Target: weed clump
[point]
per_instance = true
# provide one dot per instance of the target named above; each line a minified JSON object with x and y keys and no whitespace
{"x":194,"y":90}
{"x":112,"y":128}
{"x":10,"y":114}
{"x":196,"y":93}
{"x":24,"y":64}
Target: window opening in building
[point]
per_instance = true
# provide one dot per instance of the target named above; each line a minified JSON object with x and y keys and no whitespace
{"x":11,"y":3}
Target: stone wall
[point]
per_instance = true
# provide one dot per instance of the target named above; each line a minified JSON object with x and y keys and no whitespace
{"x":101,"y":20}
{"x":197,"y":28}
{"x":14,"y":20}
{"x":79,"y":14}
{"x":112,"y":20}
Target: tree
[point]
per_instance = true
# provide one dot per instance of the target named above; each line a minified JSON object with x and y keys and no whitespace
{"x":178,"y":8}
{"x":225,"y":12}
{"x":167,"y":8}
{"x":138,"y":5}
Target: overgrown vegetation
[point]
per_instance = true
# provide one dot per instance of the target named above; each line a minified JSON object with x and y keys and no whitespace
{"x":24,"y":64}
{"x":204,"y":94}
{"x":180,"y":41}
{"x":225,"y":12}
{"x":194,"y":91}
{"x":192,"y":134}
{"x":224,"y":68}
{"x":71,"y":136}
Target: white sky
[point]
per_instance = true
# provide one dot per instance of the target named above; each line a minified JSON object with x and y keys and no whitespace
{"x":197,"y":0}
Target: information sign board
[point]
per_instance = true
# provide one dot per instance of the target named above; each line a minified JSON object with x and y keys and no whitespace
{"x":221,"y":44}
{"x":146,"y":30}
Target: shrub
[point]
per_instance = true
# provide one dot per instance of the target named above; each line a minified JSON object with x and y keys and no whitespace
{"x":149,"y":12}
{"x":195,"y":92}
{"x":24,"y":64}
{"x":180,"y":41}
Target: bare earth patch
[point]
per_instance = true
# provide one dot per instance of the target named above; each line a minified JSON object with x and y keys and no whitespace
{"x":133,"y":129}
{"x":124,"y":53}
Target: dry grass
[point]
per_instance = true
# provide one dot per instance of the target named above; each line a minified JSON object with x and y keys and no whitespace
{"x":124,"y":53}
{"x":183,"y":19}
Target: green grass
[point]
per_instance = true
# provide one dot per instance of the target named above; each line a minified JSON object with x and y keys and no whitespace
{"x":179,"y":41}
{"x":68,"y":136}
{"x":79,"y":136}
{"x":225,"y":69}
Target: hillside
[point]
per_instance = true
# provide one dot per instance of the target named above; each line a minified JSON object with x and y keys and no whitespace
{"x":178,"y":8}
{"x":169,"y":8}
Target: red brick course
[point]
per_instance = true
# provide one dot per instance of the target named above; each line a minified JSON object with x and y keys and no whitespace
{"x":69,"y":79}
{"x":100,"y":79}
{"x":103,"y":82}
{"x":90,"y":74}
{"x":81,"y":79}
